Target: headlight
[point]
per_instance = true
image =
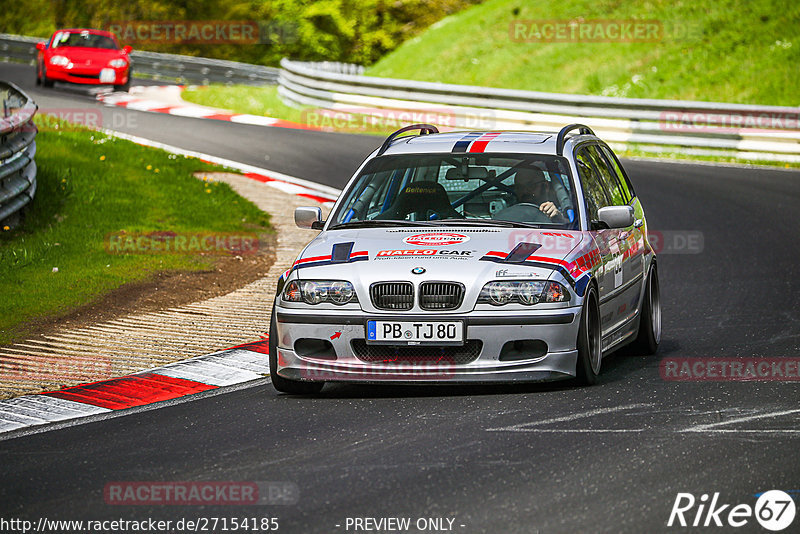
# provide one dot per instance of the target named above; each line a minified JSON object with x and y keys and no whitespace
{"x":319,"y":291}
{"x":59,"y":61}
{"x":119,"y":62}
{"x":526,"y":292}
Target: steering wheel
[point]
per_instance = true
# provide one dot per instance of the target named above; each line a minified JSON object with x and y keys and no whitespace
{"x":522,"y":212}
{"x":528,"y":205}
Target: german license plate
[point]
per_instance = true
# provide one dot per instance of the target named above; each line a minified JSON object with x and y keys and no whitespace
{"x":415,"y":332}
{"x":107,"y":76}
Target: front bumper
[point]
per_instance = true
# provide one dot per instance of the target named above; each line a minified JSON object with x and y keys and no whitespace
{"x":86,"y":75}
{"x":343,"y":361}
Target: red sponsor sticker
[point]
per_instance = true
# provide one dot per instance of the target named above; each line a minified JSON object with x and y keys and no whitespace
{"x":413,"y":252}
{"x":436,"y":239}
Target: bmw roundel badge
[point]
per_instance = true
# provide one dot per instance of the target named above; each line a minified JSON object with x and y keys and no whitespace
{"x":417,"y":270}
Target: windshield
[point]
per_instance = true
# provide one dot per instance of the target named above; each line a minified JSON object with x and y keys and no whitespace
{"x":83,"y":39}
{"x":525,"y":190}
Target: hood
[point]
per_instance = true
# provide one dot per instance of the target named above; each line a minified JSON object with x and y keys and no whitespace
{"x":471,"y":256}
{"x":92,"y":56}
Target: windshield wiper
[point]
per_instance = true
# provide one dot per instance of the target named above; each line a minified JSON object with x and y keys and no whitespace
{"x":379,"y":223}
{"x":487,"y":222}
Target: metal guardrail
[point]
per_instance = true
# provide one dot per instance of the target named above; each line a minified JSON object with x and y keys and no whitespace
{"x":700,"y":128}
{"x":17,"y":149}
{"x":171,"y":67}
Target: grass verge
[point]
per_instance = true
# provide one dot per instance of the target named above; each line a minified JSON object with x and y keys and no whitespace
{"x":244,"y":99}
{"x":91,"y":186}
{"x":723,"y":51}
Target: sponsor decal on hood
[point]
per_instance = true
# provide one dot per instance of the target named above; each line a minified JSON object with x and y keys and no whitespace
{"x":428,"y":252}
{"x":436,"y":239}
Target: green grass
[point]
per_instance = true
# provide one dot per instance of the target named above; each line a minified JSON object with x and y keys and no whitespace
{"x":742,"y":52}
{"x":90,"y":185}
{"x":244,"y":99}
{"x":265,"y":101}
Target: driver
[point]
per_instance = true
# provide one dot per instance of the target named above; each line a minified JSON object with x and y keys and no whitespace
{"x":533,"y":191}
{"x":532,"y":187}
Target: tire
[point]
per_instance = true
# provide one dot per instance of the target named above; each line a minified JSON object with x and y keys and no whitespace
{"x":125,"y":87}
{"x":649,"y":335}
{"x":45,"y":81}
{"x":284,"y":385}
{"x":589,"y":341}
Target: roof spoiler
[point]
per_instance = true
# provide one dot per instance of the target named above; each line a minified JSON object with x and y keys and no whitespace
{"x":424,"y":129}
{"x":582,"y":129}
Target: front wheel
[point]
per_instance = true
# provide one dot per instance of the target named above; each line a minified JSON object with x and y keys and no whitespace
{"x":125,"y":87}
{"x":45,"y":81}
{"x":589,"y":349}
{"x":649,"y":335}
{"x":284,"y":385}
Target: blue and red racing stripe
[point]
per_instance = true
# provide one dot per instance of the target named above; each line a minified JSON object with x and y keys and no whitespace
{"x":477,"y":140}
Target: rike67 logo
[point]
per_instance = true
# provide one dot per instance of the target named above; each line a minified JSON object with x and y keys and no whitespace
{"x":774,"y":510}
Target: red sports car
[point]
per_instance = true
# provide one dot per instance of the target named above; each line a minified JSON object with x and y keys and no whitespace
{"x":83,"y":56}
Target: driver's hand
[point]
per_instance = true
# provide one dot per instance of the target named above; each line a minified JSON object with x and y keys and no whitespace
{"x":549,"y":209}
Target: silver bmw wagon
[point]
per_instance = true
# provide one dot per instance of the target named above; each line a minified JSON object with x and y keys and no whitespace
{"x":469,"y":257}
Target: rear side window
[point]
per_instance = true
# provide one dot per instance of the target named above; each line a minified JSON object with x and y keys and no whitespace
{"x":607,"y":177}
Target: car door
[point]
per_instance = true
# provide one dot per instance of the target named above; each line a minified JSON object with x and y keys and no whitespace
{"x":630,"y":241}
{"x":609,"y":275}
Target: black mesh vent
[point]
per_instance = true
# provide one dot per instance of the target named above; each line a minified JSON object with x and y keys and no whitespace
{"x":421,"y":354}
{"x":392,"y":295}
{"x":440,"y":295}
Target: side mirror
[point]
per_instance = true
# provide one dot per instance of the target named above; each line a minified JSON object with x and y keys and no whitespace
{"x":41,"y":45}
{"x":307,"y":217}
{"x":616,"y":216}
{"x":127,"y":49}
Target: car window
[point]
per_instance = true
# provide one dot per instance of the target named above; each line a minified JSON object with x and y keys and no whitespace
{"x":84,"y":40}
{"x":616,"y":168}
{"x":607,"y":177}
{"x":533,"y":189}
{"x":593,"y":191}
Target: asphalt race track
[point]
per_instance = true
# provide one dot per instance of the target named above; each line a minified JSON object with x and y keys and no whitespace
{"x":540,"y":458}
